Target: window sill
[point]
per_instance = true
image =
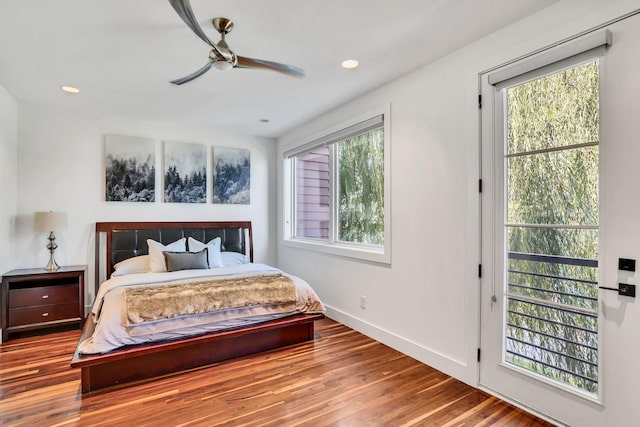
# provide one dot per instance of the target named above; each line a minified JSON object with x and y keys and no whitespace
{"x":378,"y":256}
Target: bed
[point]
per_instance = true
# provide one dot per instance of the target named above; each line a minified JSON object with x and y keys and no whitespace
{"x":137,"y":340}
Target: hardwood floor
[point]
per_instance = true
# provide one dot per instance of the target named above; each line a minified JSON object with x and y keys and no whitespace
{"x":343,"y":378}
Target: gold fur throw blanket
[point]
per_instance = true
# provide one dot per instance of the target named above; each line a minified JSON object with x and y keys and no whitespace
{"x":147,"y":303}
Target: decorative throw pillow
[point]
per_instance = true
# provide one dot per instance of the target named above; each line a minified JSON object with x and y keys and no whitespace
{"x":186,"y":260}
{"x":213,"y":248}
{"x":137,"y":264}
{"x":156,"y":259}
{"x":233,"y":258}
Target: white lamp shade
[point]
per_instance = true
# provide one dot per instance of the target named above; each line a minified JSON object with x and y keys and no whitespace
{"x":50,"y":221}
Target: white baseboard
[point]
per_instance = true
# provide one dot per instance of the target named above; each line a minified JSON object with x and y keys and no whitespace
{"x":441,"y":362}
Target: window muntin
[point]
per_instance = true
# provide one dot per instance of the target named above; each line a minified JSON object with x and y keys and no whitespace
{"x":551,"y":224}
{"x":359,"y":191}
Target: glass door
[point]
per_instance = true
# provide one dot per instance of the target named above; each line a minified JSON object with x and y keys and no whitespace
{"x":539,"y":309}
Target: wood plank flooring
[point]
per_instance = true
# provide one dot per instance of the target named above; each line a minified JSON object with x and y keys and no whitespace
{"x":343,"y":378}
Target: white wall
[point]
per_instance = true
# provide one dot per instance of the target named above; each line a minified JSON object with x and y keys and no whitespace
{"x":61,"y":168}
{"x":426,"y":303}
{"x":8,"y":176}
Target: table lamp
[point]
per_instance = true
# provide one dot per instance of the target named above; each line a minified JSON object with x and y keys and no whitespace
{"x":51,"y":221}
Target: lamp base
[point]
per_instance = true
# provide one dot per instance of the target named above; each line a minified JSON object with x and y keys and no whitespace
{"x":52,"y":265}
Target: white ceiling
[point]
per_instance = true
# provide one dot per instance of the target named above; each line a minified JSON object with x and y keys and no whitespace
{"x":122,"y":53}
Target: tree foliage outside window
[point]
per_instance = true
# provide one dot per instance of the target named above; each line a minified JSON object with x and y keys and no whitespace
{"x":552,"y":209}
{"x":361,"y":188}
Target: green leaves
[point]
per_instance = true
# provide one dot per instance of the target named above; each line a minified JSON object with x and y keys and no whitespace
{"x":554,"y":111}
{"x":361,"y":188}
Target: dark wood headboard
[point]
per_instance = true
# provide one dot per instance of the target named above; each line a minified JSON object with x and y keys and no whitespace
{"x":128,"y":239}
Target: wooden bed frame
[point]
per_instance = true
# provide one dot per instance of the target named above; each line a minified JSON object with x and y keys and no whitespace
{"x":145,"y":361}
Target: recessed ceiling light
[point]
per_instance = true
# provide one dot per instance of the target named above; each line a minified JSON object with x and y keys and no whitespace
{"x":350,"y":63}
{"x":70,"y":89}
{"x":264,"y":120}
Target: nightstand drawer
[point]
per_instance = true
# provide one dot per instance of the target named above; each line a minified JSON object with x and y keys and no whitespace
{"x":43,"y":313}
{"x":35,"y":298}
{"x":44,"y":295}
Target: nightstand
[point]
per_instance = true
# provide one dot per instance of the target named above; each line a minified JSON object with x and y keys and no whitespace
{"x":35,"y":298}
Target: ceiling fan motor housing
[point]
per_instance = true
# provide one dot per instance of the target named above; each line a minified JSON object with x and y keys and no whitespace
{"x":229,"y":58}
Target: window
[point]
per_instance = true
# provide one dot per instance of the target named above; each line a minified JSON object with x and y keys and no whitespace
{"x":551,"y":226}
{"x":339,"y":191}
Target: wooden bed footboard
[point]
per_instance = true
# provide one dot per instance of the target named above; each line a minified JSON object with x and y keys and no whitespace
{"x":146,"y":361}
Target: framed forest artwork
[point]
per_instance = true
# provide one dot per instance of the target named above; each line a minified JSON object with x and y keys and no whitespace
{"x":231,"y":175}
{"x":130,"y":174}
{"x":185,"y":172}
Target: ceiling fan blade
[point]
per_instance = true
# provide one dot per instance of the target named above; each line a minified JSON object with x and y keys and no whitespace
{"x":290,"y":70}
{"x":193,"y":75}
{"x":184,"y":11}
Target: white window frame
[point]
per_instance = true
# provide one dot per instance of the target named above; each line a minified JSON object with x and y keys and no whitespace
{"x":379,"y":254}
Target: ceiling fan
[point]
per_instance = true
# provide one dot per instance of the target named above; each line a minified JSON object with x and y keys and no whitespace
{"x":221,"y":56}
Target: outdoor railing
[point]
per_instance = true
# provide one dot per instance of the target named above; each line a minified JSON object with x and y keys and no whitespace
{"x":553,"y":331}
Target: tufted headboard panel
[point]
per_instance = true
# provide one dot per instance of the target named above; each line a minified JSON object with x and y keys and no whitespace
{"x":128,"y":239}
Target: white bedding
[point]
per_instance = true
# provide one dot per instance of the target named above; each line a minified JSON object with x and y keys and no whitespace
{"x":108,"y":309}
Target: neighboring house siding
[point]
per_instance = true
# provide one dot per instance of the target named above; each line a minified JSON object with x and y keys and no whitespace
{"x":312,"y":194}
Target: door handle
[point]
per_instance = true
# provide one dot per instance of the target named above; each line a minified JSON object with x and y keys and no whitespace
{"x":622,"y":289}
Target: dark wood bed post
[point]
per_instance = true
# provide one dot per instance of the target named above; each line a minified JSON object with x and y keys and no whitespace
{"x":146,"y":361}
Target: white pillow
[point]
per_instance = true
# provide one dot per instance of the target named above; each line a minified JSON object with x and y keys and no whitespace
{"x":233,"y":258}
{"x":156,"y":257}
{"x":137,"y":264}
{"x":213,"y":248}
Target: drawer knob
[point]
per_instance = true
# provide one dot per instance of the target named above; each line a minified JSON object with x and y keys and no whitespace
{"x":45,"y":296}
{"x":45,"y":314}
